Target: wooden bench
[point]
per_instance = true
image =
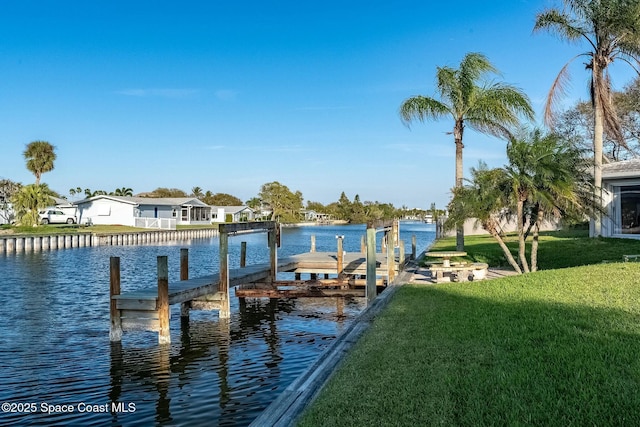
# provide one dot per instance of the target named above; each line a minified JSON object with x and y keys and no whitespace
{"x":461,"y":272}
{"x":627,"y":258}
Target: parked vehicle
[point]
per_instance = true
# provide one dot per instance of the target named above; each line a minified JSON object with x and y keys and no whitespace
{"x":56,"y":216}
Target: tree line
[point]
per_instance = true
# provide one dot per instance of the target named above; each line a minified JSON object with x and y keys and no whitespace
{"x":285,"y":205}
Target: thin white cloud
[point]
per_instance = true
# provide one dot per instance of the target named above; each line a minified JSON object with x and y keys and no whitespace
{"x":161,"y":93}
{"x":214,"y":147}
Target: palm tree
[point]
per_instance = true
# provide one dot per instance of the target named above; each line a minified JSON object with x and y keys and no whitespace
{"x":197,"y":192}
{"x":124,"y":191}
{"x":28,"y":201}
{"x":40,"y":156}
{"x":485,"y":198}
{"x":611,"y":29}
{"x":490,"y":108}
{"x":547,"y":178}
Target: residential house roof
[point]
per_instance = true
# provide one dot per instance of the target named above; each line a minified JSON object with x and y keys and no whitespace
{"x":623,"y":169}
{"x":156,"y":201}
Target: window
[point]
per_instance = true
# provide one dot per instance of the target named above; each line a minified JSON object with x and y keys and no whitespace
{"x":628,"y":206}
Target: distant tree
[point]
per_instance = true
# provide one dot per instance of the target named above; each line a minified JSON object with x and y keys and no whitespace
{"x":74,"y":191}
{"x":197,"y":192}
{"x":7,"y":189}
{"x":89,"y":193}
{"x":284,"y":203}
{"x":223,"y":199}
{"x":28,"y":201}
{"x":124,"y":191}
{"x":254,"y":203}
{"x":344,"y":207}
{"x":40,"y":156}
{"x":490,"y":108}
{"x":166,"y":192}
{"x":316,"y":206}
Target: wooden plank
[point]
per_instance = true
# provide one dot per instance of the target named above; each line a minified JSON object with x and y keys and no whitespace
{"x":246,"y":226}
{"x":137,"y":324}
{"x":136,"y":304}
{"x":139,"y":314}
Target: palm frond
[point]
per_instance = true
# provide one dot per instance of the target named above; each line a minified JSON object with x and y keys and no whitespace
{"x":422,"y":108}
{"x":557,"y":92}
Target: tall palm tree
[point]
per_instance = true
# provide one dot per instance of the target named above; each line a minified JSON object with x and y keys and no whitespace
{"x":611,"y":30}
{"x":40,"y":156}
{"x":488,"y":107}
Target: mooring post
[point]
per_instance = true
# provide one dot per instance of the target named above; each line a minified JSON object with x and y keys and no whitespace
{"x":363,"y":245}
{"x":401,"y":256}
{"x":273,"y":252}
{"x":223,"y":287}
{"x":384,"y":242}
{"x":184,"y":275}
{"x":243,"y":254}
{"x":164,"y":312}
{"x":371,"y":289}
{"x":413,"y":247}
{"x":340,"y":256}
{"x":313,"y":243}
{"x":115,"y":331}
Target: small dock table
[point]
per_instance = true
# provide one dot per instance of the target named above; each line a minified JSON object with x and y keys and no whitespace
{"x":446,"y":256}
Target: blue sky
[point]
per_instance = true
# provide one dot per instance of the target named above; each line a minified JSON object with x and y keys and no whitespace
{"x":228,"y":96}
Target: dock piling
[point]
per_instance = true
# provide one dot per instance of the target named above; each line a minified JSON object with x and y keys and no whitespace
{"x":164,"y":312}
{"x":115,"y":331}
{"x":184,"y":275}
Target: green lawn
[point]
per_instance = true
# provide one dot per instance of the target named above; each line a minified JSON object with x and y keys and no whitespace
{"x":558,"y":249}
{"x":557,"y":347}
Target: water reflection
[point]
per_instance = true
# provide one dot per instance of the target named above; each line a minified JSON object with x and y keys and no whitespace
{"x":54,"y":340}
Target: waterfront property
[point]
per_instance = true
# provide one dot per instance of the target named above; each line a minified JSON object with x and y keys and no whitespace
{"x":621,"y":199}
{"x":221,"y":214}
{"x":146,"y":212}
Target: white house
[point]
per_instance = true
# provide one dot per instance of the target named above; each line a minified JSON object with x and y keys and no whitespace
{"x":233,"y":213}
{"x":621,"y":199}
{"x":146,"y":212}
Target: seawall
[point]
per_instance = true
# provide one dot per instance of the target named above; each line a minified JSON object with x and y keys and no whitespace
{"x":14,"y":244}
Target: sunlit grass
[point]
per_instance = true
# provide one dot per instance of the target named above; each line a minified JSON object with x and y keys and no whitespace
{"x":556,"y":347}
{"x":558,"y":249}
{"x":552,"y":348}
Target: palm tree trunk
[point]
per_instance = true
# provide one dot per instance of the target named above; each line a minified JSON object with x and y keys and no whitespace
{"x":505,"y":249}
{"x":534,"y":244}
{"x":521,"y":241}
{"x":598,"y":129}
{"x":457,"y":134}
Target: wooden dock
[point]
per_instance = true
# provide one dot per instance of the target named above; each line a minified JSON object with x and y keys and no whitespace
{"x":355,"y":275}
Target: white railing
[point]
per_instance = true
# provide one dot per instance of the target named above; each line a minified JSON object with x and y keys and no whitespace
{"x":156,"y":223}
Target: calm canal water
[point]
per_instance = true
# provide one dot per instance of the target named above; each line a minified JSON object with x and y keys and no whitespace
{"x":56,"y":357}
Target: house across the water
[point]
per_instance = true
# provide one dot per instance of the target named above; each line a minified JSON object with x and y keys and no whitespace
{"x":146,"y":212}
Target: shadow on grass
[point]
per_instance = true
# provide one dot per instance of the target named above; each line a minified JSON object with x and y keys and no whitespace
{"x":505,"y":352}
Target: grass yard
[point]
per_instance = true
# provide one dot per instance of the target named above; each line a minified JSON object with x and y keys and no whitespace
{"x":558,"y":347}
{"x":559,"y":249}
